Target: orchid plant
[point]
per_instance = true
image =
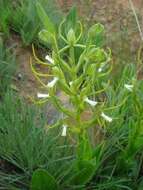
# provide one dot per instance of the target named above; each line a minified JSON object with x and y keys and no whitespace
{"x":80,"y":68}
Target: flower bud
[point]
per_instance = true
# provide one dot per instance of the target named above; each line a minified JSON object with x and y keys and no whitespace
{"x":95,"y":34}
{"x":45,"y":37}
{"x":96,"y":55}
{"x":71,"y":37}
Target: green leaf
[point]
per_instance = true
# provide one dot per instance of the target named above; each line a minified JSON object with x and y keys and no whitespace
{"x":45,"y":37}
{"x":42,"y":180}
{"x":140,"y":185}
{"x":48,"y":25}
{"x":71,"y":37}
{"x":84,"y":147}
{"x":64,"y":87}
{"x":71,"y":19}
{"x":84,"y":175}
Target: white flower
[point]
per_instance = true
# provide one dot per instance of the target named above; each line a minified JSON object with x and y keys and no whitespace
{"x":53,"y":82}
{"x":70,"y":83}
{"x":64,"y":131}
{"x":40,"y":95}
{"x":107,"y":118}
{"x":100,"y":70}
{"x":129,"y":87}
{"x":91,"y":102}
{"x":48,"y":58}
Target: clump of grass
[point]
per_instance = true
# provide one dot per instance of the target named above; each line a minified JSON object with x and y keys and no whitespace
{"x":5,"y":14}
{"x":26,"y":144}
{"x":25,"y":20}
{"x":7,"y":67}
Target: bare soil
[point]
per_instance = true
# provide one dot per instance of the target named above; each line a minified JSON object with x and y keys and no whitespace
{"x":24,"y":82}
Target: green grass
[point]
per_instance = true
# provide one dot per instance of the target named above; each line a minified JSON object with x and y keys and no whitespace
{"x":25,"y":145}
{"x":7,"y":67}
{"x":24,"y":20}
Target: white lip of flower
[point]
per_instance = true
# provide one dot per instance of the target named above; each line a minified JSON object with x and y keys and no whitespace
{"x":53,"y":82}
{"x":48,"y":58}
{"x":40,"y":95}
{"x":64,"y":131}
{"x":70,"y":83}
{"x":100,"y":70}
{"x":107,"y":118}
{"x":91,"y":102}
{"x":129,"y":87}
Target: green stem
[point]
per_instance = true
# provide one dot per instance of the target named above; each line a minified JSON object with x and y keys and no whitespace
{"x":64,"y":49}
{"x":72,"y":60}
{"x":72,"y":54}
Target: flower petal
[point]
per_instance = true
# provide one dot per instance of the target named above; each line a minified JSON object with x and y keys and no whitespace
{"x":48,"y":58}
{"x":107,"y":118}
{"x":100,"y":69}
{"x":129,"y":87}
{"x":91,"y":102}
{"x":64,"y":131}
{"x":53,"y":82}
{"x":40,"y":95}
{"x":70,"y":83}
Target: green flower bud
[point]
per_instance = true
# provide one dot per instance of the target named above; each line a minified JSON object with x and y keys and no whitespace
{"x":96,"y":55}
{"x":95,"y":34}
{"x":45,"y":37}
{"x":91,"y":69}
{"x":71,"y":37}
{"x":96,"y":30}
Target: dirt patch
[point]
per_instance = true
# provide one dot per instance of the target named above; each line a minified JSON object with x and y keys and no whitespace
{"x":24,"y":82}
{"x":24,"y":79}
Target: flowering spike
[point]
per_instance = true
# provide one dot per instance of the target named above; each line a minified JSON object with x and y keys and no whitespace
{"x":107,"y":118}
{"x":53,"y":82}
{"x":91,"y":102}
{"x":40,"y":95}
{"x":64,"y":131}
{"x":129,"y":87}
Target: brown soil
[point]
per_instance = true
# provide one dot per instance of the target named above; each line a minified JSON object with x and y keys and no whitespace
{"x":102,"y":3}
{"x":24,"y":82}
